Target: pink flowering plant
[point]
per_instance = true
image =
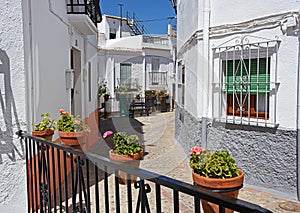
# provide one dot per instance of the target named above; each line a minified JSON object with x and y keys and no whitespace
{"x":69,"y":123}
{"x":124,"y":144}
{"x":211,"y":164}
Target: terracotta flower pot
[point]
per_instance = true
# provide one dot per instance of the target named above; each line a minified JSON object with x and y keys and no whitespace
{"x":72,"y":138}
{"x":215,"y":183}
{"x":132,"y":160}
{"x":47,"y":134}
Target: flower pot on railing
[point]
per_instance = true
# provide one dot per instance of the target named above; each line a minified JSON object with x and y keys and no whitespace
{"x":72,"y":138}
{"x":47,"y":134}
{"x":72,"y":130}
{"x":215,"y":170}
{"x":45,"y":128}
{"x":228,"y":186}
{"x":131,"y":160}
{"x":127,"y":150}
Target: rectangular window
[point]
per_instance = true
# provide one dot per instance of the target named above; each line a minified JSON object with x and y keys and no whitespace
{"x":155,"y":64}
{"x":245,"y":83}
{"x":125,"y":74}
{"x":112,"y":33}
{"x":247,"y":86}
{"x":155,"y":76}
{"x":181,"y":82}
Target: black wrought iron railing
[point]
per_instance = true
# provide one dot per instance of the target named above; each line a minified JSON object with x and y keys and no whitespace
{"x":87,"y":7}
{"x":68,"y":179}
{"x":135,"y":24}
{"x":158,"y":78}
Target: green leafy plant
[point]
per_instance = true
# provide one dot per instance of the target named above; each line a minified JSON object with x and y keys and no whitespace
{"x":150,"y":93}
{"x":101,"y":89}
{"x":129,"y":87}
{"x":124,"y":144}
{"x":69,"y":123}
{"x":211,"y":164}
{"x":47,"y":123}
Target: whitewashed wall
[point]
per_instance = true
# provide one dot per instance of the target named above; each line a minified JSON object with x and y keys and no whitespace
{"x":288,"y":50}
{"x":112,"y":22}
{"x":13,"y":113}
{"x":224,"y":29}
{"x":133,"y":50}
{"x":265,"y":168}
{"x":35,"y":41}
{"x":187,"y":23}
{"x":52,"y":39}
{"x":238,"y":11}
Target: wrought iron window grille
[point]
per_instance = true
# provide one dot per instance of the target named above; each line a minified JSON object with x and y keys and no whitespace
{"x":245,"y":81}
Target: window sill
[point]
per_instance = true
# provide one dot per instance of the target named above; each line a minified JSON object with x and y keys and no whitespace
{"x":247,"y":121}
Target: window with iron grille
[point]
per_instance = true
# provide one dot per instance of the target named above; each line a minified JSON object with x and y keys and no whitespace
{"x":247,"y":85}
{"x":247,"y":81}
{"x":181,"y":83}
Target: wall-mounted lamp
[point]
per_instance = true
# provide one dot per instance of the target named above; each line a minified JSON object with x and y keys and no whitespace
{"x":69,"y":78}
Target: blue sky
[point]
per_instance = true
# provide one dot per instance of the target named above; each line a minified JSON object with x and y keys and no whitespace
{"x":145,"y":10}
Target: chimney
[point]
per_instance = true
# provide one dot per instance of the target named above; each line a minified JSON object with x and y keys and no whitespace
{"x":169,"y":29}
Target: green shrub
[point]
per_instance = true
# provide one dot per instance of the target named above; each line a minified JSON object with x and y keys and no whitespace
{"x":126,"y":145}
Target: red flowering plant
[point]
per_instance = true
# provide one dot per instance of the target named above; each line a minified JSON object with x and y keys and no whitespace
{"x":212,"y":164}
{"x":69,"y":123}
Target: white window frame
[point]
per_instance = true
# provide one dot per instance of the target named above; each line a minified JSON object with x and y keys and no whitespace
{"x":181,"y":83}
{"x":244,"y":48}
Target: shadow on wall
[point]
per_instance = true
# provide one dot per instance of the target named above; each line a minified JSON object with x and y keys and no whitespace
{"x":8,"y":113}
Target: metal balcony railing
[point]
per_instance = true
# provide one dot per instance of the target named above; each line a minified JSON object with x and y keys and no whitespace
{"x":155,"y":40}
{"x":66,"y":179}
{"x":88,"y":7}
{"x":158,"y":78}
{"x":135,"y":24}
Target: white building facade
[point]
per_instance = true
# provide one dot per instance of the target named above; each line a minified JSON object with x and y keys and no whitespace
{"x":48,"y":61}
{"x":137,"y":62}
{"x":238,"y":86}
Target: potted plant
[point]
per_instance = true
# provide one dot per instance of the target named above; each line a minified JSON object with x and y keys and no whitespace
{"x":72,"y":130}
{"x":101,"y":90}
{"x":218,"y":171}
{"x":127,"y":149}
{"x":150,"y":93}
{"x":45,"y":128}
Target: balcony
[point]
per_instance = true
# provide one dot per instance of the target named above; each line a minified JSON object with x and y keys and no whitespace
{"x":156,"y":40}
{"x":158,"y":78}
{"x":74,"y":179}
{"x":84,"y":15}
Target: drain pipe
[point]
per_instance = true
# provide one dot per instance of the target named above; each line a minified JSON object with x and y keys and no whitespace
{"x":205,"y":71}
{"x":30,"y":97}
{"x":298,"y":126}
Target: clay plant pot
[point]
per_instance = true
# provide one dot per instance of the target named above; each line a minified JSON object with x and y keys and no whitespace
{"x":132,"y":160}
{"x":72,"y":138}
{"x":219,"y":184}
{"x":47,"y":134}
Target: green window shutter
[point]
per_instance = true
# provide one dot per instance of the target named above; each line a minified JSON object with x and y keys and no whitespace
{"x":236,"y":74}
